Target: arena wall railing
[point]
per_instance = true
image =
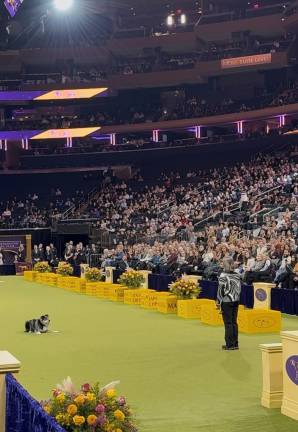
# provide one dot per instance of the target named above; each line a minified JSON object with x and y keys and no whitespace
{"x":19,"y":412}
{"x":23,"y":413}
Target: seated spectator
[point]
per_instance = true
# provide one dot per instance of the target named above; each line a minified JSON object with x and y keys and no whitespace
{"x":261,"y":271}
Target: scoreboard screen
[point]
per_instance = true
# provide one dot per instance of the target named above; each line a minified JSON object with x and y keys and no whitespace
{"x":12,"y":6}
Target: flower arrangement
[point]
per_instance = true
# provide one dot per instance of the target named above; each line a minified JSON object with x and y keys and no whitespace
{"x":64,"y":269}
{"x":131,"y":279}
{"x":185,"y":289}
{"x":93,"y":275}
{"x":90,"y":409}
{"x":42,"y":267}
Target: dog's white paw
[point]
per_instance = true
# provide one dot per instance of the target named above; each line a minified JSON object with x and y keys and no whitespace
{"x":38,"y":333}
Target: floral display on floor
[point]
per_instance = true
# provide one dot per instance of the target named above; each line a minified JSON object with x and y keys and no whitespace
{"x":42,"y":267}
{"x":92,"y":408}
{"x":185,"y":289}
{"x":132,"y":279}
{"x":64,"y":269}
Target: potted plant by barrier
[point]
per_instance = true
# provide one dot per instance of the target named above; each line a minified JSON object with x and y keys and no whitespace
{"x":90,"y":409}
{"x":187,"y":291}
{"x":42,"y":267}
{"x":64,"y":269}
{"x":93,"y":276}
{"x":132,"y":279}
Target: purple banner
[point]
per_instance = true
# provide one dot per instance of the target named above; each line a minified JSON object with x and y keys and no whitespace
{"x":18,"y":135}
{"x":20,"y":95}
{"x":12,"y":6}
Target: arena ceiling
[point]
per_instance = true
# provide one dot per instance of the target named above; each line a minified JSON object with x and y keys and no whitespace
{"x":94,"y":17}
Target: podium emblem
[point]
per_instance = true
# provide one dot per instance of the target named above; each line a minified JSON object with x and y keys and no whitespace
{"x":292,"y":368}
{"x":261,"y":295}
{"x":264,"y":322}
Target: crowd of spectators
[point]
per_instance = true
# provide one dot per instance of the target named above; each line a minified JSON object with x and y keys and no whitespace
{"x":179,"y":202}
{"x":263,"y":244}
{"x":43,"y":204}
{"x":184,"y":222}
{"x":155,"y":62}
{"x":143,"y":112}
{"x":174,"y":202}
{"x":34,"y":211}
{"x":263,"y":251}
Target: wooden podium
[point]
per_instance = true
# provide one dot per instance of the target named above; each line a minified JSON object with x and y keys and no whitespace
{"x":272,"y":375}
{"x":146,"y":274}
{"x":84,"y":268}
{"x":262,"y":295}
{"x":290,"y":374}
{"x":109,"y":274}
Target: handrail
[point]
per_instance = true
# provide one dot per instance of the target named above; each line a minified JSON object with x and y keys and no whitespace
{"x":168,"y":206}
{"x":258,"y":212}
{"x":78,"y":220}
{"x":70,"y":211}
{"x":89,"y":197}
{"x":272,"y":211}
{"x":236,"y":205}
{"x":269,"y":190}
{"x":207,"y":218}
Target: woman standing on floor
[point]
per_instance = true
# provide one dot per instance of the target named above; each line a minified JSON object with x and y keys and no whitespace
{"x":228,"y":298}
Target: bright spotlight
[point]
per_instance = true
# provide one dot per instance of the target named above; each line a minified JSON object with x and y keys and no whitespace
{"x":170,"y":20}
{"x":183,"y":19}
{"x":63,"y":5}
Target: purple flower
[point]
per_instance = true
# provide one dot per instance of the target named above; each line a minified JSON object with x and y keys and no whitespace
{"x":86,"y":388}
{"x":121,"y":400}
{"x":100,"y":409}
{"x":101,"y":421}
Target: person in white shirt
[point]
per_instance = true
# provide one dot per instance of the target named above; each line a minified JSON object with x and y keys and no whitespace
{"x":285,"y":262}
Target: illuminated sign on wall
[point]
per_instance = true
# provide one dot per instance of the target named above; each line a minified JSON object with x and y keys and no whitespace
{"x":12,"y":6}
{"x":53,"y":95}
{"x":72,"y":94}
{"x":66,"y":133}
{"x":253,"y":60}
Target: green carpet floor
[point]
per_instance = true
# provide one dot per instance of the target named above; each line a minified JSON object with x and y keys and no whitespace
{"x":173,"y":371}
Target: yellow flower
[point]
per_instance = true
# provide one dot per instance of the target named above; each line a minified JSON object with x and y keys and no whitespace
{"x":118,"y":430}
{"x":90,"y":397}
{"x":79,"y":400}
{"x":72,"y":409}
{"x":60,"y":397}
{"x":79,"y":420}
{"x":111,"y":393}
{"x":91,"y":420}
{"x":60,"y":418}
{"x":119,"y":415}
{"x":47,"y":409}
